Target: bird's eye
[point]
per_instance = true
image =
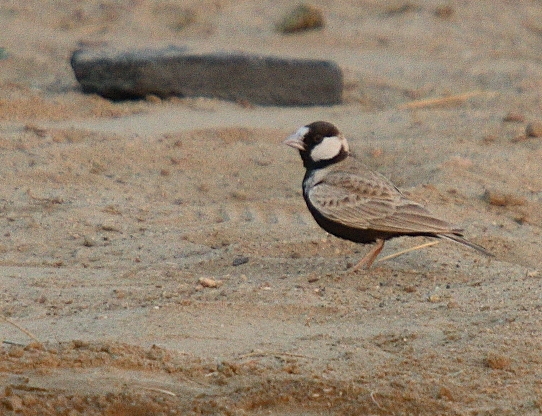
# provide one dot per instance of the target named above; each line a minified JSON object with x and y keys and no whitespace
{"x":318,"y":139}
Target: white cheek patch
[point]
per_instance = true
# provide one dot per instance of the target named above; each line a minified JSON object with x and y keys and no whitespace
{"x":327,"y":149}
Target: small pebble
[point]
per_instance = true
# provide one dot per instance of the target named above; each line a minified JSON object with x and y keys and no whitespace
{"x":89,"y":241}
{"x":37,"y":130}
{"x":110,"y":227}
{"x":534,"y":129}
{"x":208,"y":282}
{"x":521,"y":218}
{"x":434,"y":298}
{"x":444,"y":11}
{"x":501,"y":199}
{"x":303,"y":17}
{"x":512,"y":117}
{"x":240,"y":260}
{"x":239,"y":195}
{"x":16,"y":352}
{"x":489,"y":138}
{"x":497,"y":361}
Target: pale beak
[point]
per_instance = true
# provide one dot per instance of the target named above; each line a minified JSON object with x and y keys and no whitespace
{"x":295,"y":141}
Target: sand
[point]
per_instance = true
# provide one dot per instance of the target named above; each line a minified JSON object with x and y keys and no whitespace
{"x":119,"y":218}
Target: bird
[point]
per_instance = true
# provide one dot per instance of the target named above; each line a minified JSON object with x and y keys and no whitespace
{"x":352,"y":202}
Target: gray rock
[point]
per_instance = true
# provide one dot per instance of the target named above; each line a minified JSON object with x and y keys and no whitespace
{"x":236,"y":77}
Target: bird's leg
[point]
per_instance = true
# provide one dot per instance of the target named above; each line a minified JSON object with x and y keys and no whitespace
{"x":370,"y":257}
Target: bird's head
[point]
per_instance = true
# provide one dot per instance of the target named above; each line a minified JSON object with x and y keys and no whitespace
{"x":319,"y":144}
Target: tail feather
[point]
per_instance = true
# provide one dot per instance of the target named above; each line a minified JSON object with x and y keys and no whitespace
{"x":461,"y":240}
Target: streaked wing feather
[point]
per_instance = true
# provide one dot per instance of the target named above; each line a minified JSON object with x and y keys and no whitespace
{"x":408,"y":220}
{"x":372,"y":204}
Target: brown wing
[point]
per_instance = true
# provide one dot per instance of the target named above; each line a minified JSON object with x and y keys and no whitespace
{"x":372,"y":202}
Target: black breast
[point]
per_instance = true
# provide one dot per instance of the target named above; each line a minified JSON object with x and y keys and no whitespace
{"x":357,"y":235}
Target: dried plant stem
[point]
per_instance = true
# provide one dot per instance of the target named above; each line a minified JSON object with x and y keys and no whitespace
{"x":273,"y":353}
{"x":408,"y":250}
{"x":435,"y":102}
{"x":20,"y":328}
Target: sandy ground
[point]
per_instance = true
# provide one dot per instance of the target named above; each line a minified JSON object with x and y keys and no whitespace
{"x":111,"y":213}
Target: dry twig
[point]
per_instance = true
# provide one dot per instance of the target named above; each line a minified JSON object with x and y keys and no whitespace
{"x":169,"y":393}
{"x":274,"y":353}
{"x":435,"y":102}
{"x":408,"y":250}
{"x":20,"y":328}
{"x":374,"y":400}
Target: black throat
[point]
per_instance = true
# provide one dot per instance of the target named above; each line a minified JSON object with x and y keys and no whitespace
{"x":310,"y":164}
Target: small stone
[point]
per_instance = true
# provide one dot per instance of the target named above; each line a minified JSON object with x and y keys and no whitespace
{"x":512,"y":117}
{"x":89,"y":241}
{"x":410,"y":289}
{"x":239,"y":195}
{"x":37,"y":130}
{"x":444,"y":11}
{"x":77,"y":343}
{"x":16,"y":352}
{"x":501,"y":199}
{"x":534,"y":129}
{"x":495,"y":198}
{"x":489,"y":138}
{"x":34,"y":346}
{"x":110,"y":227}
{"x":119,"y":294}
{"x":497,"y":362}
{"x":209,"y":283}
{"x":521,"y":218}
{"x":303,"y":17}
{"x":239,"y":260}
{"x":434,"y":298}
